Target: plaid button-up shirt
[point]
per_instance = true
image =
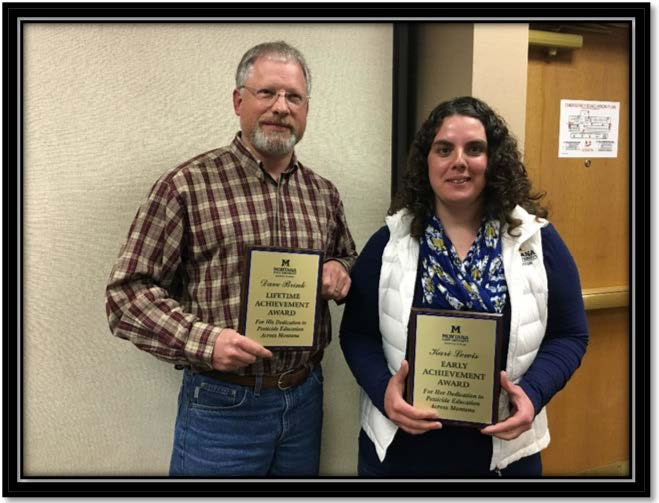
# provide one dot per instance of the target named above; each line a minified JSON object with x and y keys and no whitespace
{"x":177,"y":281}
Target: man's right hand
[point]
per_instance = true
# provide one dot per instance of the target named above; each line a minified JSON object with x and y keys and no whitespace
{"x":233,"y":351}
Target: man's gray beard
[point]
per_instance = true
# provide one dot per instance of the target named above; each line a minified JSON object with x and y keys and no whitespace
{"x":275,"y":144}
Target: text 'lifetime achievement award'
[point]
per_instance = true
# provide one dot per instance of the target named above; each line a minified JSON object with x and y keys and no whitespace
{"x":455,"y":366}
{"x":280,"y":297}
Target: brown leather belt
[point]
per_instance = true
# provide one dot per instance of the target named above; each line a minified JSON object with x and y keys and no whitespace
{"x":286,"y":380}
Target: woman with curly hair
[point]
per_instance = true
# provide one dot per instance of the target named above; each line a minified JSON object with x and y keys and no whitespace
{"x":465,"y":233}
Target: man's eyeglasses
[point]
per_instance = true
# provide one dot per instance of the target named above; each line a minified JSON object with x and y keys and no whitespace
{"x":270,"y":96}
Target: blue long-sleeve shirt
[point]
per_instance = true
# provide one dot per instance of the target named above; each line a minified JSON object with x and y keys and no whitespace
{"x":560,"y":353}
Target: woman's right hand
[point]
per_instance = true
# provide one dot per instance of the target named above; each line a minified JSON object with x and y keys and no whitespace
{"x":412,"y":420}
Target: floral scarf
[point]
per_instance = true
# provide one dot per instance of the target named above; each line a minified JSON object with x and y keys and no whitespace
{"x":475,"y":284}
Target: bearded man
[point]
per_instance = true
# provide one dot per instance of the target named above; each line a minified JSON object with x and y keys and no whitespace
{"x":243,"y":410}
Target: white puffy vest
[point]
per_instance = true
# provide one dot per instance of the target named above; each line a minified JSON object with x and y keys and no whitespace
{"x":527,"y":291}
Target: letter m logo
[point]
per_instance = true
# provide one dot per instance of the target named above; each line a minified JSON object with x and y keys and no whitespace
{"x":455,"y":329}
{"x":285,"y":262}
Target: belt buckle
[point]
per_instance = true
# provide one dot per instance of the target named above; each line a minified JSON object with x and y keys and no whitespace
{"x":279,"y":382}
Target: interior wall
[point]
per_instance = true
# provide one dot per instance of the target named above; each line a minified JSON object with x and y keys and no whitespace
{"x":437,"y":44}
{"x":500,"y":68}
{"x":107,"y":109}
{"x":485,"y":60}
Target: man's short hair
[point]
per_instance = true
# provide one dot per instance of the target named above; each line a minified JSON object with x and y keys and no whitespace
{"x":281,"y":49}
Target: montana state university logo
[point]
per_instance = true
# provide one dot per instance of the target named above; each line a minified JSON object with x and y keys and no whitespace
{"x":456,"y":336}
{"x":285,"y":270}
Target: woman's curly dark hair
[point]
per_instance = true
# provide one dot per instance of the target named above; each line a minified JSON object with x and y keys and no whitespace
{"x":507,"y":183}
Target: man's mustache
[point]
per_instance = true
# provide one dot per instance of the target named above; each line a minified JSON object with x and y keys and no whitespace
{"x":276,"y":122}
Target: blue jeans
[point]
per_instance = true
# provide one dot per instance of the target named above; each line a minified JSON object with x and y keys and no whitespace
{"x":228,"y":430}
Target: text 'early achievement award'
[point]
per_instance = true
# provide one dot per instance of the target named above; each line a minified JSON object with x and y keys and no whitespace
{"x":454,"y":359}
{"x":280,"y":297}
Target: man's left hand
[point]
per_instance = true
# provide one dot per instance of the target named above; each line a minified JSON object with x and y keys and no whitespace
{"x":522,"y":417}
{"x":336,"y":281}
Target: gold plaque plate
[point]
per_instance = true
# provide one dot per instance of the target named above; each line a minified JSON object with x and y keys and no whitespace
{"x":454,"y":359}
{"x":280,"y":297}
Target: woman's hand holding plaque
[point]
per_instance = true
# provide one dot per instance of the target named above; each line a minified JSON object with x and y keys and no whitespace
{"x":521,"y":418}
{"x":409,"y":418}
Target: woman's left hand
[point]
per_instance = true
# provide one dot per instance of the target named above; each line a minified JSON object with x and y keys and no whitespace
{"x":522,"y":415}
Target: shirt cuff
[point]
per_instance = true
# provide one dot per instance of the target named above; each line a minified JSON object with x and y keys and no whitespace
{"x":533,"y":396}
{"x":345,"y":263}
{"x":200,"y":344}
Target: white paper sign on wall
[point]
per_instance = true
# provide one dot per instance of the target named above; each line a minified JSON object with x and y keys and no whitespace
{"x":588,"y":128}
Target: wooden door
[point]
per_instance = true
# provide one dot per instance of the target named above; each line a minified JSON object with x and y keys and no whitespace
{"x":589,"y":206}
